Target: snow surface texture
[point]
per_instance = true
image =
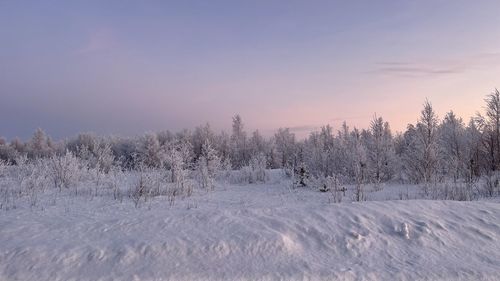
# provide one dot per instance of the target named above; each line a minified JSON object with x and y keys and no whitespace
{"x":257,"y":232}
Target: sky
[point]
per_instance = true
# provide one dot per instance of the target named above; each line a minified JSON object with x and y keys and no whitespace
{"x":129,"y":67}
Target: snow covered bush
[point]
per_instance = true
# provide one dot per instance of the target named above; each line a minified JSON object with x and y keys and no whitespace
{"x":177,"y":157}
{"x":31,"y":174}
{"x":450,"y":190}
{"x":331,"y":184}
{"x":150,"y":151}
{"x":26,"y":179}
{"x":114,"y":179}
{"x":208,"y":167}
{"x":258,"y":164}
{"x":99,"y":162}
{"x":96,"y":160}
{"x":299,"y":175}
{"x":244,"y":175}
{"x":359,"y":193}
{"x":255,"y":172}
{"x":139,"y":190}
{"x":8,"y":196}
{"x":65,"y":170}
{"x":225,"y":171}
{"x":146,"y":185}
{"x":463,"y":192}
{"x":37,"y":180}
{"x":491,"y":184}
{"x":7,"y":190}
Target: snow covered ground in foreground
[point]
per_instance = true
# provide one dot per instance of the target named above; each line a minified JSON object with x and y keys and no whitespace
{"x":253,"y":232}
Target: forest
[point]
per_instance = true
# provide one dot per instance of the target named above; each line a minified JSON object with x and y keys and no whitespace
{"x":448,"y":158}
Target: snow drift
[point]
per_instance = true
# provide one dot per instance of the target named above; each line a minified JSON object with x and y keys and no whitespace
{"x":213,"y":238}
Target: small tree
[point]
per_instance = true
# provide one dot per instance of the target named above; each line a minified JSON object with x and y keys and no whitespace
{"x":208,"y":166}
{"x":239,"y":144}
{"x":98,"y":157}
{"x":427,"y":136}
{"x":150,"y":151}
{"x":40,"y":145}
{"x":380,"y":151}
{"x":147,"y":184}
{"x":452,"y":149}
{"x":285,"y":146}
{"x":177,"y":157}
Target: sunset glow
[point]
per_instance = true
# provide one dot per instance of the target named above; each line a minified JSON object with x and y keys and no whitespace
{"x":127,"y":68}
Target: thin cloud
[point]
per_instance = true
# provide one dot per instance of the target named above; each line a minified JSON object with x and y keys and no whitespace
{"x":415,"y":69}
{"x":434,"y":68}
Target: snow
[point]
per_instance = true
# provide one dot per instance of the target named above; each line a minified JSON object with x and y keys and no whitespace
{"x":250,"y":232}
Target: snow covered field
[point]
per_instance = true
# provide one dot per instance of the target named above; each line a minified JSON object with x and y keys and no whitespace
{"x":251,"y":232}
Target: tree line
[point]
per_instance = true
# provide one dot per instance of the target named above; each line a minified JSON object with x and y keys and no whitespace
{"x":429,"y":151}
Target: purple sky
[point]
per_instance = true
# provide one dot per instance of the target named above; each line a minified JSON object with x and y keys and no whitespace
{"x":126,"y":67}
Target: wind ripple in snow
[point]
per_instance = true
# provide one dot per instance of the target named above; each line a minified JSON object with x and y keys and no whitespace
{"x":404,"y":240}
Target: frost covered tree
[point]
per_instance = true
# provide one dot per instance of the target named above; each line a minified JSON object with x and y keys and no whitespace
{"x":7,"y":152}
{"x":178,"y":158}
{"x":82,"y":141}
{"x":452,"y":151}
{"x":165,"y":137}
{"x":426,"y":152}
{"x":208,"y":166}
{"x":319,"y":152}
{"x":65,"y":170}
{"x":104,"y":157}
{"x":473,"y":154}
{"x":257,"y":144}
{"x":420,"y":154}
{"x":239,"y":149}
{"x":427,"y":136}
{"x":493,"y":121}
{"x":97,"y":152}
{"x":19,"y":147}
{"x":124,"y":151}
{"x":223,"y":146}
{"x":315,"y":155}
{"x":489,"y":125}
{"x":40,"y":145}
{"x":256,"y":171}
{"x":99,"y":161}
{"x":358,"y":163}
{"x":408,"y":152}
{"x":150,"y":151}
{"x":285,"y":146}
{"x":201,"y":135}
{"x":380,"y":150}
{"x":343,"y":156}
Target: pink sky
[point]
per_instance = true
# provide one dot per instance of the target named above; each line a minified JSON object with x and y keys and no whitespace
{"x":89,"y":66}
